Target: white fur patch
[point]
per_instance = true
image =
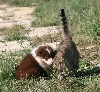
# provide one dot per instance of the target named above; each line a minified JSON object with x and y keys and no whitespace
{"x":47,"y":49}
{"x":49,"y":61}
{"x":39,"y":60}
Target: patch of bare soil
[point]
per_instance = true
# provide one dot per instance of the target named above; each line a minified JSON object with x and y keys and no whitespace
{"x":19,"y":45}
{"x":13,"y":46}
{"x":16,"y":45}
{"x":10,"y":16}
{"x":39,"y":32}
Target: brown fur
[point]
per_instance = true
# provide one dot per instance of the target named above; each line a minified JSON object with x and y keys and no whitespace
{"x":67,"y":54}
{"x":30,"y":68}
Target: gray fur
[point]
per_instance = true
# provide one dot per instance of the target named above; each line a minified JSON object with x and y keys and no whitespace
{"x":67,"y":54}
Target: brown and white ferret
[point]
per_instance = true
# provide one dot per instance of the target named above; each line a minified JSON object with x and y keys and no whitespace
{"x":35,"y":64}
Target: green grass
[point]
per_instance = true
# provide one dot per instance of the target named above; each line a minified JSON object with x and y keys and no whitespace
{"x":82,"y":15}
{"x":19,"y":2}
{"x":89,"y":74}
{"x":14,"y":33}
{"x":90,"y":82}
{"x":84,"y":23}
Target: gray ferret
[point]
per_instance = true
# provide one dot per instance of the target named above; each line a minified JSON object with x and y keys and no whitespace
{"x":67,"y":55}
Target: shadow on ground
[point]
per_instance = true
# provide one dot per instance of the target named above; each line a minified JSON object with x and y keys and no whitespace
{"x":89,"y":72}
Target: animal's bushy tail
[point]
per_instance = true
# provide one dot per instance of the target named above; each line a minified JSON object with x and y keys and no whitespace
{"x":65,"y":25}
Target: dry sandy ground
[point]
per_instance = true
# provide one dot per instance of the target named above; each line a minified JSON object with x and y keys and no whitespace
{"x":10,"y":16}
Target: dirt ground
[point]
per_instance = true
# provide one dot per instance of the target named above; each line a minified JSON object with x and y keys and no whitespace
{"x":10,"y":15}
